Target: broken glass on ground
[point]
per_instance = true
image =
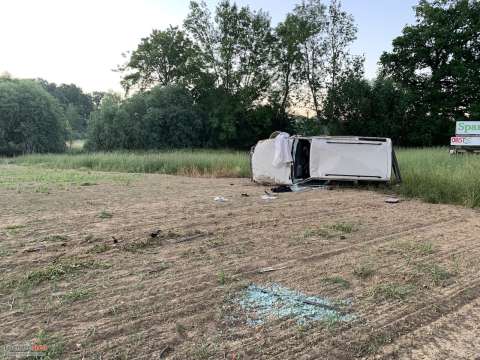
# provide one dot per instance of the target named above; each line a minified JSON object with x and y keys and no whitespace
{"x":275,"y":302}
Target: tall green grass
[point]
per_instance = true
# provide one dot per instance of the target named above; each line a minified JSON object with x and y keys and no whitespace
{"x":209,"y":163}
{"x":429,"y":174}
{"x":436,"y":176}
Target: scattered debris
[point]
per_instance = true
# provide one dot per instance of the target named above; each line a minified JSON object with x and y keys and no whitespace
{"x":190,"y":238}
{"x":164,"y":351}
{"x":268,"y":197}
{"x":270,"y":269}
{"x":281,"y":189}
{"x":162,"y":266}
{"x":325,"y":306}
{"x":275,"y":302}
{"x":219,"y":199}
{"x":310,"y":186}
{"x":88,"y":184}
{"x":392,"y":200}
{"x":155,"y":233}
{"x":35,"y":249}
{"x":9,"y":304}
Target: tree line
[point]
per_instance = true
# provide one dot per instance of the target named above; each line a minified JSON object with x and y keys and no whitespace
{"x":239,"y":77}
{"x":228,"y":78}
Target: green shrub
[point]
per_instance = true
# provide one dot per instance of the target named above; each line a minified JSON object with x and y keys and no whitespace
{"x":31,"y":120}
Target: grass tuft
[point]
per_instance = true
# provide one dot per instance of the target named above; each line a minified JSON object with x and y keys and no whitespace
{"x":105,"y":215}
{"x":5,"y":252}
{"x":55,"y":238}
{"x":181,"y":329}
{"x":438,"y":274}
{"x":99,"y":248}
{"x":59,"y":270}
{"x":373,"y":344}
{"x":202,"y":351}
{"x":76,"y":295}
{"x":332,"y":320}
{"x":55,"y":345}
{"x":344,"y":228}
{"x":383,"y":292}
{"x":14,"y":229}
{"x":425,"y":248}
{"x":364,"y":271}
{"x":337,"y":280}
{"x":320,"y":232}
{"x":414,"y":247}
{"x":221,"y":277}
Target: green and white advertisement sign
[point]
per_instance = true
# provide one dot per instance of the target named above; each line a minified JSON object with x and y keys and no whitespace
{"x":468,"y":128}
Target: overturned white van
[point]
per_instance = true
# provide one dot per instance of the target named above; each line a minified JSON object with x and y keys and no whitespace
{"x":289,"y":160}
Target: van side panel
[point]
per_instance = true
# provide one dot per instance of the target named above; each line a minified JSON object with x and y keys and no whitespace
{"x":263,"y":171}
{"x":351,"y":159}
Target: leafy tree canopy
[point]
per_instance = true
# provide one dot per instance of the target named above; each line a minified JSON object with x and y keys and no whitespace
{"x":164,"y":58}
{"x":31,"y":120}
{"x":75,"y":103}
{"x":438,"y":59}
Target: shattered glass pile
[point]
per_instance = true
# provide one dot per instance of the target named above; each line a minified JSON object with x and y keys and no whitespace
{"x":275,"y":302}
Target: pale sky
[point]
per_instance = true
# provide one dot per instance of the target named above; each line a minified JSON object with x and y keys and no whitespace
{"x":81,"y":41}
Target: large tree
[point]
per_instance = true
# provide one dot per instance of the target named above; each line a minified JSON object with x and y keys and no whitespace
{"x":288,"y":59}
{"x":31,"y":120}
{"x":438,"y":59}
{"x":313,"y":19}
{"x":340,"y":33}
{"x":167,"y":57}
{"x":327,"y":33}
{"x":237,"y":48}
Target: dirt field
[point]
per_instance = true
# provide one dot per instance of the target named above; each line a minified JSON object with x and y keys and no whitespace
{"x":80,"y":271}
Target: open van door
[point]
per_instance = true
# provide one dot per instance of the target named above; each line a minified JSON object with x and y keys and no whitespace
{"x":263,"y":170}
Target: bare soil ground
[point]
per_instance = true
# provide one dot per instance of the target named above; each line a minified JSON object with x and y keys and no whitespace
{"x":78,"y":266}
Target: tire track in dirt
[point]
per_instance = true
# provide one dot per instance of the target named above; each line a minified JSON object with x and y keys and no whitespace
{"x":454,"y":336}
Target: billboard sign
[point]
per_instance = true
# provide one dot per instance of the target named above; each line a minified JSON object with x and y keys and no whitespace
{"x":465,"y":141}
{"x":468,"y":128}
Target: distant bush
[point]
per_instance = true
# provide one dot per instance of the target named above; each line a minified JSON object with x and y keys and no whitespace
{"x":31,"y":120}
{"x":156,"y":119}
{"x":76,"y":105}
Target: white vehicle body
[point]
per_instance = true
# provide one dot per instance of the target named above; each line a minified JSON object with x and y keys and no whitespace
{"x":325,"y":158}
